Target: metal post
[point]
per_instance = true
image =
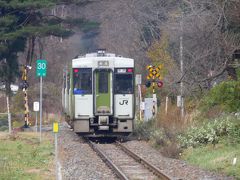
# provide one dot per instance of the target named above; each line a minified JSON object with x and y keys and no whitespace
{"x":154,"y":95}
{"x":40,"y":108}
{"x":36,"y":122}
{"x":140,"y":101}
{"x":56,"y":154}
{"x":181,"y":64}
{"x":154,"y":105}
{"x":166,"y":105}
{"x":9,"y":116}
{"x":55,"y":131}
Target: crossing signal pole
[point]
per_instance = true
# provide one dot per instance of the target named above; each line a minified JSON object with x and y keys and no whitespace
{"x":154,"y":78}
{"x":24,"y":88}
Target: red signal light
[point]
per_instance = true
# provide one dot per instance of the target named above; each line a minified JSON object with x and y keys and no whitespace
{"x":160,"y":84}
{"x":76,"y":70}
{"x":130,"y":70}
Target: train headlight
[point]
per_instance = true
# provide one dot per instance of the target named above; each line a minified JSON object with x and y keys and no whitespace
{"x":121,"y":70}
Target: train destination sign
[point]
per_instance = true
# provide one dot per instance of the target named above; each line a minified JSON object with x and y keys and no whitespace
{"x":41,"y":69}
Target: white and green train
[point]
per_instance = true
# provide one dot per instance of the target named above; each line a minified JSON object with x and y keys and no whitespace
{"x":98,"y":94}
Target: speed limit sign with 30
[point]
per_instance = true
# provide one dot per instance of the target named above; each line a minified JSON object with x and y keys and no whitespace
{"x":41,"y":69}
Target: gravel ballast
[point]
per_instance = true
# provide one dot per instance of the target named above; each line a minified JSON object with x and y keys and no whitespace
{"x":172,"y":167}
{"x":79,"y":161}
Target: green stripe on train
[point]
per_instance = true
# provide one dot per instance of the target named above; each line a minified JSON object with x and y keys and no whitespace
{"x":103,"y":99}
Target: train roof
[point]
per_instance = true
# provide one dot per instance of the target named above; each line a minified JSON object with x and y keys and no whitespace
{"x":93,"y":59}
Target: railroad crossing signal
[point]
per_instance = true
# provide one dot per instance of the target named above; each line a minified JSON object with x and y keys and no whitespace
{"x":154,"y":72}
{"x":154,"y":76}
{"x":41,"y":68}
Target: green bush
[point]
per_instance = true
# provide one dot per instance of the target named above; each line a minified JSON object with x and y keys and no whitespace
{"x":143,"y":129}
{"x":149,"y":131}
{"x":234,"y":132}
{"x":3,"y":128}
{"x":211,"y":131}
{"x":3,"y":121}
{"x":226,"y":95}
{"x":238,"y":73}
{"x":159,"y":137}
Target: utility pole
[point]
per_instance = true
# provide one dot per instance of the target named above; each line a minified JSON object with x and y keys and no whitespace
{"x":181,"y":66}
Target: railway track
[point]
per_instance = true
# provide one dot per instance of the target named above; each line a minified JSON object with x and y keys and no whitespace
{"x":126,"y":164}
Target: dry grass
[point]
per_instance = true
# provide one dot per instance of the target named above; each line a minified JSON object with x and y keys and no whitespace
{"x":172,"y":124}
{"x":3,"y":135}
{"x":172,"y":121}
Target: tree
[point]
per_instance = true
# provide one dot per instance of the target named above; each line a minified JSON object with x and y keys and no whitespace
{"x":159,"y":54}
{"x":210,"y":37}
{"x":21,"y":23}
{"x":24,"y":21}
{"x":209,"y":42}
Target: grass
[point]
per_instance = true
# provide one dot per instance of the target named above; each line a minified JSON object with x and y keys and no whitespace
{"x":217,"y":158}
{"x":23,"y":157}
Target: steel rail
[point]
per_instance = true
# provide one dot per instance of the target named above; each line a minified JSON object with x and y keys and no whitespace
{"x":139,"y":159}
{"x":110,"y":164}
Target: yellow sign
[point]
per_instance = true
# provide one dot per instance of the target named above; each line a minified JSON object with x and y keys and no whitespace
{"x":55,"y":127}
{"x":154,"y":72}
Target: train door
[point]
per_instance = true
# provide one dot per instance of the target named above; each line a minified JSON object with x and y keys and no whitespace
{"x":103,"y":92}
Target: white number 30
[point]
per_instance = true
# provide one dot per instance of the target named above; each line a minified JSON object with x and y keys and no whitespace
{"x":41,"y":66}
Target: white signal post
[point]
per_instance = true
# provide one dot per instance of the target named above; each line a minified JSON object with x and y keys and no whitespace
{"x":9,"y":116}
{"x":138,"y":83}
{"x":55,"y":131}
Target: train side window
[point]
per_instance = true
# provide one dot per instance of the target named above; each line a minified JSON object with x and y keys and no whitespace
{"x":82,"y":81}
{"x":123,"y":84}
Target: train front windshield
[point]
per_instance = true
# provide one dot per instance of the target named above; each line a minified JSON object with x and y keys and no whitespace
{"x":82,"y":81}
{"x":123,"y":83}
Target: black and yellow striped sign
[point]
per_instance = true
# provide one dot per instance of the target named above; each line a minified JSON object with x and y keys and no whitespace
{"x":154,"y":72}
{"x":154,"y":76}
